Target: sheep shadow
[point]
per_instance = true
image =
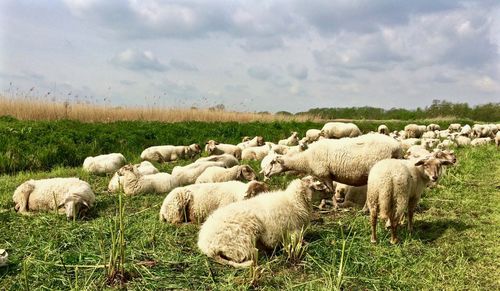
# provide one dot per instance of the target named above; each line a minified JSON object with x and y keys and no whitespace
{"x":429,"y":231}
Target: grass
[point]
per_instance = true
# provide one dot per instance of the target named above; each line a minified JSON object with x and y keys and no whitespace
{"x":454,"y":245}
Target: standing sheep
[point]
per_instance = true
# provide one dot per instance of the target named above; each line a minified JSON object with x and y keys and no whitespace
{"x":215,"y":148}
{"x":168,"y":153}
{"x":396,"y":185}
{"x":218,"y":174}
{"x":454,"y":127}
{"x":231,"y":233}
{"x":104,"y":164}
{"x":194,"y":203}
{"x":72,"y":194}
{"x":414,"y":131}
{"x":433,"y":127}
{"x":346,"y":161}
{"x":340,"y":130}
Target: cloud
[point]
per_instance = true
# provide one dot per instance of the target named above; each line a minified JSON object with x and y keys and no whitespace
{"x":262,"y":43}
{"x":297,"y":71}
{"x":182,"y":65}
{"x":260,"y":73}
{"x":138,"y":61}
{"x":487,"y":84}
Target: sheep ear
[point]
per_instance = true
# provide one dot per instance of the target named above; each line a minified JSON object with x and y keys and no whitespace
{"x":420,"y":162}
{"x":446,"y":162}
{"x":86,"y":204}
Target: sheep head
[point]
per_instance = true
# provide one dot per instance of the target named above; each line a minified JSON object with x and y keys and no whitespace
{"x":340,"y":193}
{"x":432,"y":167}
{"x":245,"y":138}
{"x":210,"y":146}
{"x":260,"y":140}
{"x":274,"y":167}
{"x":246,"y":172}
{"x":254,"y":188}
{"x":74,"y":206}
{"x":314,"y":184}
{"x":445,"y":155}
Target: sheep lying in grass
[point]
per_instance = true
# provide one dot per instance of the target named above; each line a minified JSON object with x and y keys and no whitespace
{"x":313,"y":135}
{"x":215,"y":148}
{"x":480,"y":141}
{"x":231,"y":233}
{"x":194,"y":203}
{"x":145,"y":168}
{"x":396,"y":185}
{"x":346,"y":161}
{"x":462,"y":141}
{"x":226,"y":159}
{"x":188,"y":174}
{"x":350,"y":196}
{"x":167,"y":153}
{"x":255,"y":153}
{"x":291,"y":140}
{"x":69,"y":195}
{"x":340,"y":130}
{"x":416,"y":151}
{"x":134,"y":183}
{"x":218,"y":174}
{"x":104,"y":164}
{"x":254,"y":142}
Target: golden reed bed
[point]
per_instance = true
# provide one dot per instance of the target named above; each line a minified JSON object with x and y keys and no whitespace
{"x":45,"y":110}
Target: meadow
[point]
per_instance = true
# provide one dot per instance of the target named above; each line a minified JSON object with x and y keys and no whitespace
{"x":454,"y":245}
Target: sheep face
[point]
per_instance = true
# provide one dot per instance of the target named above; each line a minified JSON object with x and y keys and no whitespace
{"x":340,"y":193}
{"x":274,"y":167}
{"x":314,"y":184}
{"x":247,"y":173}
{"x":432,"y":167}
{"x":75,"y":207}
{"x":127,"y":168}
{"x":245,"y":138}
{"x":446,"y":155}
{"x":210,"y":146}
{"x":255,"y":188}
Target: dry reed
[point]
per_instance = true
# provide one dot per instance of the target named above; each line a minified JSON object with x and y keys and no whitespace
{"x":33,"y":109}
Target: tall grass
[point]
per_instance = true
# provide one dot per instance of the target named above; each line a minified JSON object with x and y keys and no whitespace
{"x":28,"y":109}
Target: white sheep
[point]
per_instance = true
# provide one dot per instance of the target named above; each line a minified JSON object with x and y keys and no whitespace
{"x":145,"y":168}
{"x":466,"y":130}
{"x":340,"y":130}
{"x":446,"y":144}
{"x":350,"y":196}
{"x":134,"y":183}
{"x":4,"y":258}
{"x":255,"y":153}
{"x":291,"y":140}
{"x":346,"y":160}
{"x":433,"y":127}
{"x":70,"y":195}
{"x":218,"y":174}
{"x":497,"y":139}
{"x":396,"y":185}
{"x":194,"y":203}
{"x":414,"y":131}
{"x":254,"y":142}
{"x":383,"y":129}
{"x":231,"y":233}
{"x":313,"y":135}
{"x":215,"y":148}
{"x":481,"y":130}
{"x":429,"y":134}
{"x":104,"y":164}
{"x":167,"y":153}
{"x":226,"y":159}
{"x":416,"y":151}
{"x":279,"y":149}
{"x":462,"y":141}
{"x":455,"y":127}
{"x":429,"y":143}
{"x":480,"y":141}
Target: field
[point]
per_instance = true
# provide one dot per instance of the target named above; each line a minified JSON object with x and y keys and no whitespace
{"x":454,"y":245}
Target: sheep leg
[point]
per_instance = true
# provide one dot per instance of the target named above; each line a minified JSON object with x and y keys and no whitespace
{"x":410,"y":219}
{"x":373,"y":220}
{"x":394,"y":229}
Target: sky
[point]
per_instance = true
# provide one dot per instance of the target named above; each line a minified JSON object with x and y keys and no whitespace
{"x":253,"y":55}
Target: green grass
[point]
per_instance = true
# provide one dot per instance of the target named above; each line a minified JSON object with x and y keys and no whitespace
{"x":455,"y":245}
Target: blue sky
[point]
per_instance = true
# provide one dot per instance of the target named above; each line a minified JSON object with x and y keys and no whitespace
{"x":252,"y":55}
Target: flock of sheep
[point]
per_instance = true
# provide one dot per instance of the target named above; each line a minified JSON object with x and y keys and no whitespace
{"x":384,"y":172}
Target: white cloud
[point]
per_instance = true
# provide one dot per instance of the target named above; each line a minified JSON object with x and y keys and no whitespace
{"x":297,"y":71}
{"x":138,"y":61}
{"x":260,"y":73}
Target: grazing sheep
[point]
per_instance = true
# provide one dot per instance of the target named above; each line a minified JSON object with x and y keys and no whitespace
{"x":497,"y":139}
{"x":231,"y":233}
{"x":255,"y":153}
{"x":454,"y":127}
{"x":218,"y":174}
{"x":414,"y":131}
{"x":145,"y":168}
{"x":340,"y":130}
{"x":466,"y":130}
{"x":480,"y":141}
{"x":313,"y":135}
{"x":481,"y":130}
{"x":396,"y":185}
{"x":168,"y":153}
{"x":215,"y":148}
{"x":194,"y":203}
{"x":227,"y":159}
{"x":254,"y":142}
{"x":462,"y":141}
{"x":72,"y":194}
{"x":291,"y":140}
{"x":383,"y":129}
{"x":346,"y":161}
{"x":134,"y":183}
{"x":104,"y":164}
{"x":433,"y":127}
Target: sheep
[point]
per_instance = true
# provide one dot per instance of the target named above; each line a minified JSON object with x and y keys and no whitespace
{"x":4,"y":258}
{"x":407,"y":143}
{"x":104,"y":164}
{"x":218,"y":174}
{"x":462,"y":141}
{"x":280,"y":149}
{"x":396,"y":185}
{"x":226,"y":159}
{"x":349,"y":196}
{"x":194,"y":203}
{"x":416,"y":151}
{"x":429,"y":134}
{"x":254,"y":142}
{"x":297,"y":149}
{"x":134,"y":183}
{"x":430,"y":143}
{"x":497,"y":139}
{"x":145,"y":168}
{"x":255,"y":153}
{"x":413,"y":131}
{"x":215,"y":148}
{"x":231,"y":234}
{"x":340,"y":130}
{"x":188,"y":174}
{"x":291,"y":140}
{"x":383,"y":129}
{"x":480,"y":141}
{"x":72,"y":194}
{"x":455,"y":127}
{"x":466,"y":130}
{"x":445,"y":144}
{"x":346,"y":161}
{"x":433,"y":127}
{"x":313,"y":135}
{"x":481,"y":130}
{"x":168,"y":153}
